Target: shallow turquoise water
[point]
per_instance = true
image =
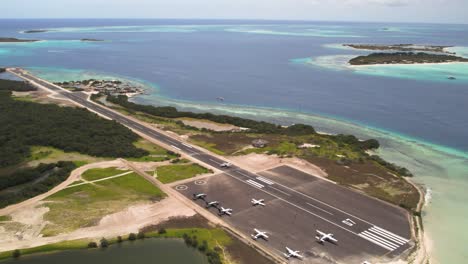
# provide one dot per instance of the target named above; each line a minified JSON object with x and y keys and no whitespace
{"x":442,"y":170}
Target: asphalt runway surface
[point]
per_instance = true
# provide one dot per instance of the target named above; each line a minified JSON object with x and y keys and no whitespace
{"x":366,"y":229}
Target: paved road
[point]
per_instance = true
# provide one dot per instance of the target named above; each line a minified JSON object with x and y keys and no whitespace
{"x":391,"y":239}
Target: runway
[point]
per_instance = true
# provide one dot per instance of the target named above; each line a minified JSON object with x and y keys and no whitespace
{"x":297,"y":203}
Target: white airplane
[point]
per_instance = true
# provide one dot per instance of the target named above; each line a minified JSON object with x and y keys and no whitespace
{"x":258,"y":202}
{"x":225,"y":165}
{"x":259,"y":234}
{"x":223,"y":211}
{"x":292,"y":253}
{"x":212,"y":204}
{"x":322,"y":237}
{"x":199,"y":196}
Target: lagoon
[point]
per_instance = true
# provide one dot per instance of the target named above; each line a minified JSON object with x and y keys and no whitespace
{"x":151,"y":250}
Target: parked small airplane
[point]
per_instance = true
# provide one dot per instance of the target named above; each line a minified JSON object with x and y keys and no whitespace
{"x":292,"y":253}
{"x":225,"y":165}
{"x":212,"y":204}
{"x":322,"y":237}
{"x":258,"y":202}
{"x":223,"y":211}
{"x":259,"y":234}
{"x":199,"y":196}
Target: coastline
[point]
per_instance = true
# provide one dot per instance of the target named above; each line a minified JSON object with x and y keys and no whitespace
{"x":397,"y":146}
{"x":407,"y":64}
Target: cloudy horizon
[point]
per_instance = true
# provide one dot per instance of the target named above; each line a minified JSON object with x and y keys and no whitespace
{"x":428,"y":11}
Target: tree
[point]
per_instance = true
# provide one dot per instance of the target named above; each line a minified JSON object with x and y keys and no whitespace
{"x":132,"y":237}
{"x":119,"y":239}
{"x":104,"y":243}
{"x":141,"y":235}
{"x":161,"y":231}
{"x":16,"y":253}
{"x":92,"y":245}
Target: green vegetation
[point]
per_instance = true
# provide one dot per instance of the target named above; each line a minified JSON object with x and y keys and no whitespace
{"x":26,"y":124}
{"x":96,"y":174}
{"x":65,"y":245}
{"x":86,"y":204}
{"x":172,"y":112}
{"x":10,"y":85}
{"x":27,"y":183}
{"x":207,"y":240}
{"x":400,"y":47}
{"x":404,"y":58}
{"x":156,"y":153}
{"x":4,"y":218}
{"x":172,"y":173}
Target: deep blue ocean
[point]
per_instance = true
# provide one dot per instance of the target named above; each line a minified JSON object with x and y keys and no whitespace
{"x":287,"y":72}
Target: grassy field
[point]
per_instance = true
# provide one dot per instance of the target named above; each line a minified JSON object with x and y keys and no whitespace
{"x":157,"y":153}
{"x":96,"y":174}
{"x":86,"y":204}
{"x":65,"y":245}
{"x":172,"y":173}
{"x":41,"y":154}
{"x":4,"y":218}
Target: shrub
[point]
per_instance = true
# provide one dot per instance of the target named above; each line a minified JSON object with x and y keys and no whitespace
{"x":161,"y":231}
{"x":16,"y":253}
{"x":141,"y":235}
{"x":132,"y":237}
{"x":92,"y":245}
{"x":104,"y":243}
{"x":119,"y":239}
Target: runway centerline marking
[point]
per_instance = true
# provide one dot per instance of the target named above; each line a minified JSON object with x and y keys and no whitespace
{"x":323,"y":210}
{"x":297,"y":206}
{"x":324,"y":203}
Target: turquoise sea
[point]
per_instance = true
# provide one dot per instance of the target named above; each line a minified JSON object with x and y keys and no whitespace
{"x":287,"y":72}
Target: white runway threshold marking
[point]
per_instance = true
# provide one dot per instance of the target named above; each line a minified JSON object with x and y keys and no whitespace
{"x":383,"y":238}
{"x":175,"y":147}
{"x":255,"y":184}
{"x":265,"y":180}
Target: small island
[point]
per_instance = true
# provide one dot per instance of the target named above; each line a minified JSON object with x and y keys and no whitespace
{"x":112,"y":87}
{"x":401,"y":47}
{"x":14,"y":40}
{"x":404,"y":58}
{"x":36,"y":31}
{"x":90,"y":40}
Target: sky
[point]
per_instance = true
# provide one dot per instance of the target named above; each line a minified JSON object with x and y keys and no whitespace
{"x":427,"y":11}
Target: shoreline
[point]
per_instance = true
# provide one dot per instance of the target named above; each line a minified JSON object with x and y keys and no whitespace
{"x":409,"y":64}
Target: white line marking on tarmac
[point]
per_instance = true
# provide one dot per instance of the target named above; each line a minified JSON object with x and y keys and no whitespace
{"x":389,"y":234}
{"x":386,"y":236}
{"x":214,"y":161}
{"x":320,"y":208}
{"x":297,"y":206}
{"x":375,"y":242}
{"x":324,"y":203}
{"x":381,"y":240}
{"x":279,"y":190}
{"x":175,"y":147}
{"x":187,"y":145}
{"x":265,"y":180}
{"x":254,"y":183}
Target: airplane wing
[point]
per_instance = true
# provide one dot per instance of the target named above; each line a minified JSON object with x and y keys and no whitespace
{"x":333,"y":239}
{"x":320,"y":233}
